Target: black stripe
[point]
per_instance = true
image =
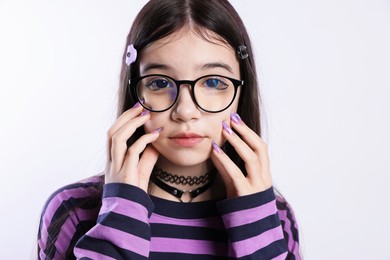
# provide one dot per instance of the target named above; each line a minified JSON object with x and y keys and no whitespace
{"x":253,"y":229}
{"x":290,"y":256}
{"x":294,"y":231}
{"x":106,"y":248}
{"x":246,"y":202}
{"x":81,"y":228}
{"x":61,"y":215}
{"x":126,"y":224}
{"x":96,"y":191}
{"x":128,"y":192}
{"x":182,"y":256}
{"x":284,"y":206}
{"x":285,"y":234}
{"x":174,"y":209}
{"x":271,"y":251}
{"x":95,"y":185}
{"x":186,"y":232}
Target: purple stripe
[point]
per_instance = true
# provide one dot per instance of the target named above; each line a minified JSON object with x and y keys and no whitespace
{"x":124,"y":207}
{"x":281,"y":256}
{"x":291,"y":211}
{"x":68,"y":229}
{"x":55,"y":203}
{"x":214,"y":222}
{"x":121,"y":239}
{"x":79,"y":253}
{"x":247,"y":216}
{"x":187,"y":246}
{"x":292,"y":244}
{"x":41,"y":253}
{"x":251,"y":245}
{"x":287,"y":228}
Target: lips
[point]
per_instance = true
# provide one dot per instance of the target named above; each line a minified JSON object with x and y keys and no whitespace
{"x":186,"y":139}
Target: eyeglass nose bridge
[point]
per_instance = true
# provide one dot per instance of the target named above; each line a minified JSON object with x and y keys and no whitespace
{"x":180,"y":83}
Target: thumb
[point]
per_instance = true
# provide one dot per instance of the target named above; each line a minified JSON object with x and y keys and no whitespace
{"x":146,"y":163}
{"x":227,"y":179}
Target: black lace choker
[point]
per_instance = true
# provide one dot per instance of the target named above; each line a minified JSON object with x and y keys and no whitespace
{"x":173,"y":178}
{"x":156,"y":179}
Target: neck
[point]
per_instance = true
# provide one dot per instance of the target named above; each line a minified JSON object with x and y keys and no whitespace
{"x":214,"y":191}
{"x":184,"y":170}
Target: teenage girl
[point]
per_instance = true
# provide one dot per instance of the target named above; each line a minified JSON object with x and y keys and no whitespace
{"x":187,"y":174}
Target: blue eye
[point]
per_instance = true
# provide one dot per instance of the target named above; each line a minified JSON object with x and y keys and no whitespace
{"x":215,"y":83}
{"x":158,"y":84}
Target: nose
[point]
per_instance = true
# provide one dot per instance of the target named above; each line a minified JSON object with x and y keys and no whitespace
{"x":185,"y":108}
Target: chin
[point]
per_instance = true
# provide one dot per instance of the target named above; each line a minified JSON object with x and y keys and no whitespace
{"x":183,"y":157}
{"x":187,"y":162}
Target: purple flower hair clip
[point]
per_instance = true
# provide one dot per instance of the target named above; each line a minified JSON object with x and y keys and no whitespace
{"x":131,"y":54}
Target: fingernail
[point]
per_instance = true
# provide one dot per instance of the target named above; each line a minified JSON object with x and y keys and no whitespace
{"x":136,"y":105}
{"x":216,"y":147}
{"x":227,"y":128}
{"x":158,"y":130}
{"x":146,"y":112}
{"x":235,"y":118}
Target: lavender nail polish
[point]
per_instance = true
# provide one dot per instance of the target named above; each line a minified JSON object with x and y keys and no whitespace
{"x":146,"y":112}
{"x":158,"y":130}
{"x":216,"y":147}
{"x":235,"y":118}
{"x":227,"y":128}
{"x":136,"y":105}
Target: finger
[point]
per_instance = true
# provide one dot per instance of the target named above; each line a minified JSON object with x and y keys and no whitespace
{"x":129,"y":114}
{"x":247,"y":134}
{"x":119,"y":122}
{"x":229,"y":171}
{"x":119,"y":140}
{"x":252,"y":139}
{"x":146,"y":163}
{"x":131,"y":163}
{"x":252,"y":162}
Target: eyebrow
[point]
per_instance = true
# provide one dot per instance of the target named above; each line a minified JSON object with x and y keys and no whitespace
{"x":214,"y":65}
{"x":159,"y":66}
{"x":206,"y":66}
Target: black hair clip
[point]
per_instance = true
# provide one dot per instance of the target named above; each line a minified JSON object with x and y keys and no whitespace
{"x":242,"y":52}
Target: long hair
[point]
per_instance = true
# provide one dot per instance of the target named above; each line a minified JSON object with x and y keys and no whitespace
{"x":156,"y":20}
{"x":159,"y":18}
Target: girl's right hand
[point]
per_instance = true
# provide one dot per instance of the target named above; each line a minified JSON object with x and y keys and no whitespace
{"x":125,"y":165}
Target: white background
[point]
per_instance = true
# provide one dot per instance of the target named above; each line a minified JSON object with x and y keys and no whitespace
{"x":324,"y":68}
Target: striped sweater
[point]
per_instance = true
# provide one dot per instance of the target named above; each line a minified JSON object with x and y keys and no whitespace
{"x":93,"y":220}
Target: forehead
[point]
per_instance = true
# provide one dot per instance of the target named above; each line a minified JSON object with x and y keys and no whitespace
{"x":187,"y":52}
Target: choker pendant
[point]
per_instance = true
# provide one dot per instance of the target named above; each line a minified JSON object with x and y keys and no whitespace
{"x":183,"y":195}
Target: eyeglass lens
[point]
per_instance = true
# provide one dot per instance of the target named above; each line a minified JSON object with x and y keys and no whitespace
{"x":211,"y":93}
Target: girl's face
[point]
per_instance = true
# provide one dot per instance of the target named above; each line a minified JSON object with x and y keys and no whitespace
{"x":188,"y":130}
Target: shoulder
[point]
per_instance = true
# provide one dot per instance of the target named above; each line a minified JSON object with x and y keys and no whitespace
{"x":74,"y":194}
{"x":68,"y":212}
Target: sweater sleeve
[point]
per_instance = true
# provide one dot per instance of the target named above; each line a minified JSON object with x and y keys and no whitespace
{"x":254,"y":228}
{"x":122,"y":230}
{"x":68,"y":213}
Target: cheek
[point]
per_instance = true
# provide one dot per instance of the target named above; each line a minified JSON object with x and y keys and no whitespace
{"x":156,"y":121}
{"x":215,"y":123}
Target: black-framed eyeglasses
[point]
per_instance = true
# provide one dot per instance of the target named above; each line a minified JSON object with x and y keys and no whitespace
{"x":211,"y":93}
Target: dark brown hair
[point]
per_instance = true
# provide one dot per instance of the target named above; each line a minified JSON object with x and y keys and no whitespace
{"x":159,"y":18}
{"x":156,"y":20}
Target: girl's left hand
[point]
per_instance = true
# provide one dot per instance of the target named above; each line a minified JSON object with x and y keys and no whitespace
{"x":254,"y":153}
